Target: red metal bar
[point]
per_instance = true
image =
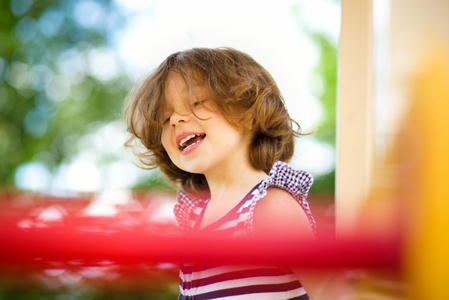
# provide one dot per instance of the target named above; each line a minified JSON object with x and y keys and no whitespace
{"x":28,"y":245}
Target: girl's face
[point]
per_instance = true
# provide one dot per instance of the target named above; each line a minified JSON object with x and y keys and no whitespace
{"x":196,"y":137}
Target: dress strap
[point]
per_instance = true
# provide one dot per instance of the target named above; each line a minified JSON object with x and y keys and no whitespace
{"x":183,"y":210}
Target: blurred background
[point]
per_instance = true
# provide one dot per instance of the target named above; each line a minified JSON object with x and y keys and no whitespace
{"x":65,"y":69}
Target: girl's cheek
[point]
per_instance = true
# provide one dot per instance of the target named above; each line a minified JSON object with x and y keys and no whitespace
{"x":164,"y":140}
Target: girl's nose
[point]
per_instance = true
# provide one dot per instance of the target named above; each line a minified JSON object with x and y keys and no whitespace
{"x":177,"y":118}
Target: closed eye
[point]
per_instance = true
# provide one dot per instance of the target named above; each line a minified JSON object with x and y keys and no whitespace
{"x":198,"y":103}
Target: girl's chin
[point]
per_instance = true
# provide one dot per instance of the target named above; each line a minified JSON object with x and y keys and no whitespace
{"x":194,"y":167}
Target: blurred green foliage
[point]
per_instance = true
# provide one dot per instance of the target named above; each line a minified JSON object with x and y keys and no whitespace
{"x":323,"y":83}
{"x":326,"y":71}
{"x":57,"y":79}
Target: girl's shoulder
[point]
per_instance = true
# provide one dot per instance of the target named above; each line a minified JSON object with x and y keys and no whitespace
{"x":293,"y":182}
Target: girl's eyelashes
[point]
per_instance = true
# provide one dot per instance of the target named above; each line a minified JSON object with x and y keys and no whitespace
{"x":198,"y":103}
{"x":165,"y":117}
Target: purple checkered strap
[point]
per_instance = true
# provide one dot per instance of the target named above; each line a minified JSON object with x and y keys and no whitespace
{"x":183,"y":210}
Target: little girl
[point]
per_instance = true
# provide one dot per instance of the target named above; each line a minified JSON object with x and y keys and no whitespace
{"x":215,"y":123}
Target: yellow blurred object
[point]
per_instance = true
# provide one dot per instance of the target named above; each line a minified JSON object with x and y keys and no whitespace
{"x":425,"y":187}
{"x":416,"y":199}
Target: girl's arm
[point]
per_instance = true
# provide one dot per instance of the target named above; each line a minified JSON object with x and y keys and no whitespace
{"x":278,"y":215}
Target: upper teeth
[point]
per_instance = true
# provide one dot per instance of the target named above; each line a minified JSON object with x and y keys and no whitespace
{"x":184,"y":140}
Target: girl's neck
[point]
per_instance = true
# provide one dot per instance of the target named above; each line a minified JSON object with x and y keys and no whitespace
{"x":233,"y":183}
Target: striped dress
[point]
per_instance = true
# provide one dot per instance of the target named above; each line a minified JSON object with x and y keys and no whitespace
{"x":207,"y":281}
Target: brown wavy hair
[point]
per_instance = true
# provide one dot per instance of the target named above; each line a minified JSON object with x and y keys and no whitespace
{"x":241,"y":90}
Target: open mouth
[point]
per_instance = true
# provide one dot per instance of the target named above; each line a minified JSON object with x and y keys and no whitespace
{"x":190,"y":140}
